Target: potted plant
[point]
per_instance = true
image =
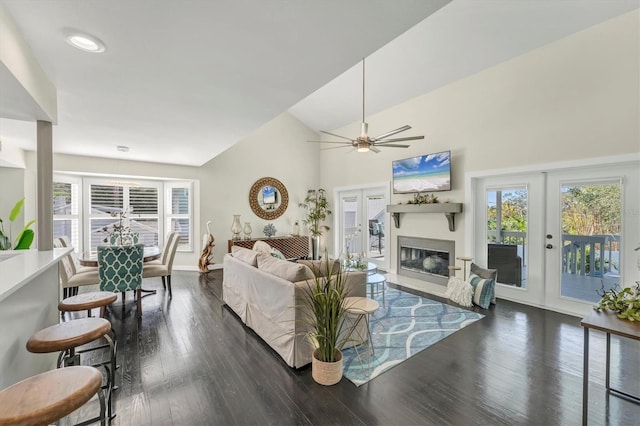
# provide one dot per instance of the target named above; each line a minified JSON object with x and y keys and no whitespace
{"x":624,"y":303}
{"x":324,"y":300}
{"x":317,"y":207}
{"x":25,"y":236}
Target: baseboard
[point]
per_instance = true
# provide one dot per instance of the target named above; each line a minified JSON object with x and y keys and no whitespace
{"x":194,"y":268}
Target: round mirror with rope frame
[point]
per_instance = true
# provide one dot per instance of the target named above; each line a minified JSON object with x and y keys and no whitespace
{"x":268,"y":198}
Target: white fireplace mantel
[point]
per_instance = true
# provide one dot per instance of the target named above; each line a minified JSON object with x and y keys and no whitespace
{"x":449,"y":210}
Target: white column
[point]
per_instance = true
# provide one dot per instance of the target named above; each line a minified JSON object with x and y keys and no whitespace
{"x":44,"y":186}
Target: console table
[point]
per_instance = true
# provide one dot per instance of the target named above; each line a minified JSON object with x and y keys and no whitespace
{"x":292,"y":247}
{"x":609,"y":323}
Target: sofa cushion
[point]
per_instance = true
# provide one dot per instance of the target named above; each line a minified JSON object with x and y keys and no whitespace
{"x":284,"y":269}
{"x":245,"y":255}
{"x":319,"y":267}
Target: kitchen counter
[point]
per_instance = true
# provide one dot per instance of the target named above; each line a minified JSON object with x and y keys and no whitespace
{"x":17,"y":268}
{"x":29,"y":295}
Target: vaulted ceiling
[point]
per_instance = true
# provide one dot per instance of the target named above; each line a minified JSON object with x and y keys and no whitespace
{"x":181,"y":81}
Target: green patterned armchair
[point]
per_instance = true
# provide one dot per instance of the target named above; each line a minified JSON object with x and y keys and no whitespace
{"x":120,"y":270}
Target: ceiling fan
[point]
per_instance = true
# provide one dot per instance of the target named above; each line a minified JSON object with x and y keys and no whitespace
{"x":364,"y":143}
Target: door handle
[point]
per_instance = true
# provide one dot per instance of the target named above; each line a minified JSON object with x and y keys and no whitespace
{"x":549,"y":246}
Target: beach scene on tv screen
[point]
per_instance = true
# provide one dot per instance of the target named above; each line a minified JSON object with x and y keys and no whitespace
{"x":422,"y":174}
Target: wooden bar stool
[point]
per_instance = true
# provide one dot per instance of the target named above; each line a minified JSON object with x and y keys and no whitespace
{"x":50,"y":396}
{"x":67,"y":336}
{"x":88,"y":301}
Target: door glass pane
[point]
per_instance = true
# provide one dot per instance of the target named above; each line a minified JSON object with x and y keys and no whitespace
{"x":376,"y":206}
{"x":350,"y":229}
{"x":590,"y":239}
{"x":507,"y":234}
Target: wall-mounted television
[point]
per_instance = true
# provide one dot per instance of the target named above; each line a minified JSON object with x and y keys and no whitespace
{"x":424,"y":173}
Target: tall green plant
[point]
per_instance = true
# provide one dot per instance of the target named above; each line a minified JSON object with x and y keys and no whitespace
{"x":324,"y":298}
{"x":25,"y":236}
{"x":317,"y":207}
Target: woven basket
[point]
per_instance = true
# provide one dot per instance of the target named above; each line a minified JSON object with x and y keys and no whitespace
{"x":326,"y":373}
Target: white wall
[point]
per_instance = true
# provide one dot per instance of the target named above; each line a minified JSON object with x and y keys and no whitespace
{"x":573,"y":99}
{"x":277,"y":150}
{"x":11,"y":191}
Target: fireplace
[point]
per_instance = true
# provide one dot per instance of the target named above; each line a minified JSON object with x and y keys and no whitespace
{"x":426,"y":259}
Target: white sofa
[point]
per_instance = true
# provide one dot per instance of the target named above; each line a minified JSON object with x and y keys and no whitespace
{"x":270,"y":304}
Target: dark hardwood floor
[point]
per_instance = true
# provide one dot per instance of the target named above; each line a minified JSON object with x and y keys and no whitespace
{"x":190,"y":361}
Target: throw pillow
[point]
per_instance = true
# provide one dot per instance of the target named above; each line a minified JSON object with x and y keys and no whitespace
{"x":490,"y":274}
{"x":319,"y":267}
{"x":482,"y":290}
{"x":459,"y":291}
{"x":289,"y":271}
{"x":277,"y":254}
{"x":262,"y":247}
{"x":245,"y":255}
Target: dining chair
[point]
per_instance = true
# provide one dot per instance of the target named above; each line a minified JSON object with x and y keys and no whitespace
{"x":120,"y":270}
{"x":163,"y":266}
{"x":77,"y":267}
{"x":71,"y":275}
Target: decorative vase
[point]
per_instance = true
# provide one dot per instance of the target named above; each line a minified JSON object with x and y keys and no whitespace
{"x":295,"y":231}
{"x":315,"y":247}
{"x":247,"y":231}
{"x":236,"y":227}
{"x":326,"y":373}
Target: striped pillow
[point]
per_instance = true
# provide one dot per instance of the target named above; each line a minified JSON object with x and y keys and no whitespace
{"x":482,"y":290}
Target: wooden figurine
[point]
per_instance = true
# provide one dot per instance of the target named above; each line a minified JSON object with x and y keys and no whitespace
{"x":206,"y":257}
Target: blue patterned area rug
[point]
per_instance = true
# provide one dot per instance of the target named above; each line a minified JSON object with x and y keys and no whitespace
{"x":405,"y":325}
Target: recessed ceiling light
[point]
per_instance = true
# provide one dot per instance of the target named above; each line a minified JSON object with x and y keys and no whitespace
{"x":85,"y":42}
{"x":122,"y":148}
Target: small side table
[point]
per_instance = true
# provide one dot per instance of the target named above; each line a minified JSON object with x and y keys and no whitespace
{"x":609,"y":323}
{"x":361,"y":307}
{"x":377,"y":284}
{"x":465,"y":260}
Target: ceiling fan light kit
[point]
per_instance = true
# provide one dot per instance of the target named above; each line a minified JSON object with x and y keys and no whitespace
{"x":364,"y":143}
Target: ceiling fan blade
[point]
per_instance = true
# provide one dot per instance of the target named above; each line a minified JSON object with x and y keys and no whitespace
{"x":337,"y":136}
{"x":344,"y":143}
{"x":392,"y":146}
{"x":374,"y":149}
{"x":408,"y":138}
{"x":334,"y":147}
{"x":393,"y":132}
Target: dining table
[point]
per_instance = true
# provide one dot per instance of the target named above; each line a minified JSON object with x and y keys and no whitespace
{"x":89,"y":258}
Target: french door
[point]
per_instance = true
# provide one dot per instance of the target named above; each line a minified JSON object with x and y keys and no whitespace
{"x":592,"y":226}
{"x":558,"y":238}
{"x":362,"y":224}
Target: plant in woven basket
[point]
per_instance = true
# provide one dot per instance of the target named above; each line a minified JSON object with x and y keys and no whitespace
{"x":625,"y":303}
{"x":324,"y":298}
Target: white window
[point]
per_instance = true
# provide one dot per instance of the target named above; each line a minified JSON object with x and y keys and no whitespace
{"x":179,"y":212}
{"x":128,"y":203}
{"x":66,"y":208}
{"x":86,"y":209}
